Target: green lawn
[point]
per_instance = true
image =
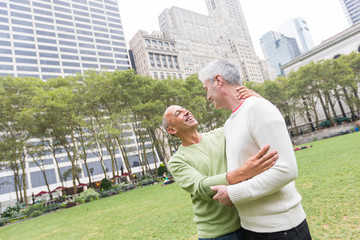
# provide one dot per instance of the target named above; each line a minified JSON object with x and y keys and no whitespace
{"x":329,"y":182}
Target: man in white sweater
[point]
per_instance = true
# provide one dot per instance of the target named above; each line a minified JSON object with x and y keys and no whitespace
{"x":268,"y":204}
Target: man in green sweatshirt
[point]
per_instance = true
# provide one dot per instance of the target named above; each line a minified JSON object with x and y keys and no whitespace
{"x":199,"y":163}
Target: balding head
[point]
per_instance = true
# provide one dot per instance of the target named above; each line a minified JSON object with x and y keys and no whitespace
{"x":167,"y":116}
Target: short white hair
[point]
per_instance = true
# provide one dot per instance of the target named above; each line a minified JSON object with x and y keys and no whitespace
{"x":229,"y":72}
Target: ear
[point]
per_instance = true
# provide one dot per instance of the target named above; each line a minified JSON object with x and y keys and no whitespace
{"x":171,"y":130}
{"x":219,"y":81}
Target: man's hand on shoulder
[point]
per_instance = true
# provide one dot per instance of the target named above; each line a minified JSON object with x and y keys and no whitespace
{"x":254,"y":165}
{"x":222,"y":195}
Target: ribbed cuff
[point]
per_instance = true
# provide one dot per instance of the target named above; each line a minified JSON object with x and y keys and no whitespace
{"x":236,"y":193}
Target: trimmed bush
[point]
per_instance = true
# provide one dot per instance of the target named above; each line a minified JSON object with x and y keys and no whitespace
{"x":105,"y":184}
{"x":12,"y":210}
{"x":162,"y":169}
{"x":33,"y":208}
{"x":36,"y":213}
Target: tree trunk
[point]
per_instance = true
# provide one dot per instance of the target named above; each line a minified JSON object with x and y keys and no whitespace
{"x":353,"y":116}
{"x":325,"y":108}
{"x":340,"y":103}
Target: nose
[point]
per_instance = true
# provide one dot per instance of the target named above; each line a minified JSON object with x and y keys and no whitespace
{"x":208,"y":97}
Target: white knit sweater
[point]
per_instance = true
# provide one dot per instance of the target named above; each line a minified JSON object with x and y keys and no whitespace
{"x":269,"y":201}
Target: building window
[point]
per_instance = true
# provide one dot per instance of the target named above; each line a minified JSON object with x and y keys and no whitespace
{"x":163,"y":58}
{"x":6,"y":67}
{"x":49,"y":55}
{"x":29,"y":69}
{"x":91,"y":59}
{"x":86,"y":65}
{"x":25,"y":60}
{"x":148,"y":41}
{"x":152,"y":60}
{"x":156,"y":75}
{"x":176,"y":62}
{"x":47,"y":62}
{"x":22,"y":37}
{"x":154,"y":42}
{"x":6,"y":59}
{"x":162,"y":75}
{"x":69,"y":57}
{"x":41,"y":47}
{"x":170,"y":62}
{"x":157,"y":58}
{"x":25,"y":53}
{"x":71,"y":64}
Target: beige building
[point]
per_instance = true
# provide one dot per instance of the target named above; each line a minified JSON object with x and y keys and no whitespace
{"x":230,"y":21}
{"x":156,"y":55}
{"x":196,"y":38}
{"x":268,"y":73}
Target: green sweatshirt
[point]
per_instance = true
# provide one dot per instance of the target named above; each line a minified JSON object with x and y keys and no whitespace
{"x":196,"y":168}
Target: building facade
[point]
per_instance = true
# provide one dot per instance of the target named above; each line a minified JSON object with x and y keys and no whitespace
{"x":278,"y":49}
{"x":352,"y":10}
{"x":342,"y":43}
{"x":233,"y":33}
{"x":195,"y":38}
{"x":46,"y":39}
{"x":155,"y":55}
{"x":297,"y":28}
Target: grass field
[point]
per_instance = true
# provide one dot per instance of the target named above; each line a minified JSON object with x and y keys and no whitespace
{"x":329,"y":182}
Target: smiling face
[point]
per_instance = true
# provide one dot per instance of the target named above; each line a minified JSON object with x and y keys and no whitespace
{"x":179,"y":120}
{"x":213,"y":91}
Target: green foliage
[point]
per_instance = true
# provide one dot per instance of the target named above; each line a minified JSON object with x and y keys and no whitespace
{"x":12,"y":211}
{"x":89,"y":195}
{"x":105,"y":184}
{"x":36,"y":214}
{"x":40,"y":207}
{"x":162,"y":169}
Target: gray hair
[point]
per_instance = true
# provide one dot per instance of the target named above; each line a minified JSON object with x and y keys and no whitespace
{"x":229,"y":72}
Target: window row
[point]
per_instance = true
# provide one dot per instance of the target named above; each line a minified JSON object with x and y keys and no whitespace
{"x":164,"y":61}
{"x":162,"y":75}
{"x":159,"y":43}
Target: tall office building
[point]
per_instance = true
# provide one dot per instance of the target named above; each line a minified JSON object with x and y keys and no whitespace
{"x":46,"y":39}
{"x":52,"y":38}
{"x":297,"y":28}
{"x":155,"y":55}
{"x":278,"y":50}
{"x":352,"y":10}
{"x":195,"y":37}
{"x":232,"y":29}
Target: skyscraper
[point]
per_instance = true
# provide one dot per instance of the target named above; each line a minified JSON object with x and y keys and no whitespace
{"x":297,"y":28}
{"x":232,"y":30}
{"x":278,"y":49}
{"x":352,"y":10}
{"x":46,"y":39}
{"x":195,"y":38}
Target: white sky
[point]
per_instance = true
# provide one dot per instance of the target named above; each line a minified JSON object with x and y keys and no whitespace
{"x":325,"y":18}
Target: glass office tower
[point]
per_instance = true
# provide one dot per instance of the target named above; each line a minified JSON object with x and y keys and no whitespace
{"x":278,"y":50}
{"x":51,"y":38}
{"x":352,"y":10}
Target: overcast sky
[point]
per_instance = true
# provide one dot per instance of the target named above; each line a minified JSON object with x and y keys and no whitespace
{"x":325,"y":18}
